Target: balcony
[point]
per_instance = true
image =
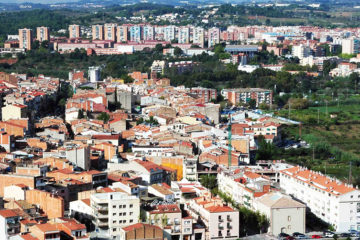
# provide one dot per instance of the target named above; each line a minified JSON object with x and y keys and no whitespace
{"x":229,"y":226}
{"x":102,"y":216}
{"x":177,"y":222}
{"x":221,"y":227}
{"x":101,"y":208}
{"x":228,"y":219}
{"x":101,"y":223}
{"x":221,"y":220}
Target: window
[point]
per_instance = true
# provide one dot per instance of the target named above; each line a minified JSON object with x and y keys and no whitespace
{"x":289,"y":218}
{"x":114,"y":229}
{"x":124,"y":214}
{"x":130,"y":213}
{"x":120,"y":206}
{"x":114,"y":206}
{"x":120,"y":214}
{"x":131,"y":206}
{"x":114,"y":221}
{"x":131,"y":220}
{"x":124,"y":206}
{"x":114,"y":214}
{"x":124,"y":221}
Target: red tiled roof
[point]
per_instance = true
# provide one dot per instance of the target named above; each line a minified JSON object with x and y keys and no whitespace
{"x":215,"y":209}
{"x":7,"y":213}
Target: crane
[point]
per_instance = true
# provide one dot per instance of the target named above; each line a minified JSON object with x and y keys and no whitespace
{"x":229,"y":141}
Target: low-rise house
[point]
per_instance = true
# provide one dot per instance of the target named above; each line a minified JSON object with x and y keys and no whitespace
{"x":285,"y":215}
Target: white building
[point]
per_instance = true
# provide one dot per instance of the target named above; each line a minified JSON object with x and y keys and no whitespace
{"x":184,"y":35}
{"x":9,"y":223}
{"x":199,"y":36}
{"x":94,"y":74}
{"x":350,"y":46}
{"x":114,"y":210}
{"x":213,"y":36}
{"x":328,"y":198}
{"x":169,"y":33}
{"x":301,"y":51}
{"x":285,"y":215}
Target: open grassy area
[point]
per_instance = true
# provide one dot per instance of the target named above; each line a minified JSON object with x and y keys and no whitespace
{"x":334,"y":135}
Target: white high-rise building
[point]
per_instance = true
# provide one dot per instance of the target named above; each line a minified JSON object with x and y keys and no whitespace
{"x":199,"y":36}
{"x":148,"y":32}
{"x":213,"y":36}
{"x":184,"y":35}
{"x":328,"y":198}
{"x":113,"y":211}
{"x":94,"y":74}
{"x":301,"y":51}
{"x":169,"y":33}
{"x":350,"y":46}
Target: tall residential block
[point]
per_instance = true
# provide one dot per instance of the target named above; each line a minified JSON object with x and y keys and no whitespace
{"x":184,"y":35}
{"x":213,"y":36}
{"x":42,"y":34}
{"x":135,"y":33}
{"x":25,"y":38}
{"x":98,"y":32}
{"x":169,"y":33}
{"x":74,"y":31}
{"x":122,"y":34}
{"x":110,"y":32}
{"x":148,"y":32}
{"x":198,"y":36}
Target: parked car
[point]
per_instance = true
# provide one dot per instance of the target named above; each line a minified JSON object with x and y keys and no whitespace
{"x":290,"y":238}
{"x":316,"y":236}
{"x":354,"y":233}
{"x":345,"y":235}
{"x":283,"y":235}
{"x":328,"y":234}
{"x":298,"y":235}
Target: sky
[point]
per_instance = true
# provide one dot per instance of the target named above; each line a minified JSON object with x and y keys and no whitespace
{"x":36,"y":1}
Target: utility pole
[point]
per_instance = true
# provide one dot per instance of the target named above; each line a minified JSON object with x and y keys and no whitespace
{"x":350,"y":174}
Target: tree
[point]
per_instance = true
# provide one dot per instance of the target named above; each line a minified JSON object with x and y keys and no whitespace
{"x":177,"y":51}
{"x":252,"y":103}
{"x":266,"y":150}
{"x":208,"y":181}
{"x":81,"y":114}
{"x":104,"y":116}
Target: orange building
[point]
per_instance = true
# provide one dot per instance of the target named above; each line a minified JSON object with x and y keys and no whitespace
{"x":74,"y":31}
{"x":52,"y":205}
{"x":42,"y":34}
{"x":25,"y":38}
{"x":12,"y":179}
